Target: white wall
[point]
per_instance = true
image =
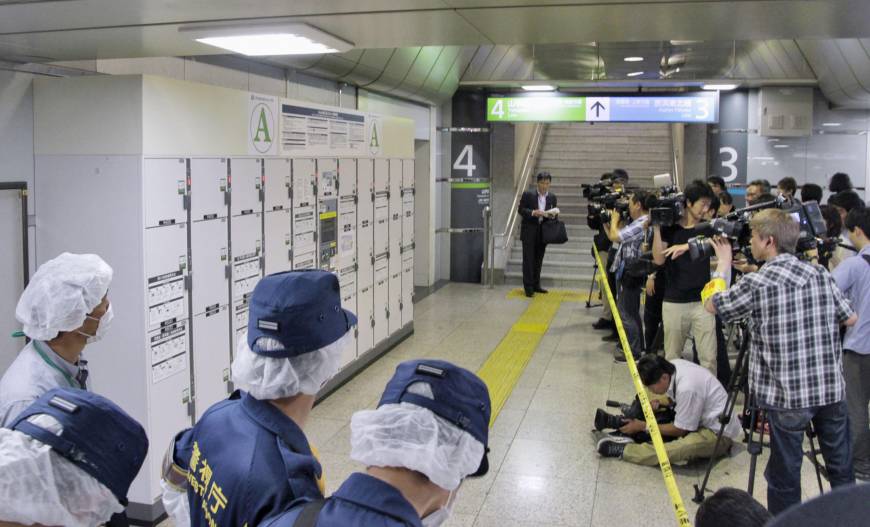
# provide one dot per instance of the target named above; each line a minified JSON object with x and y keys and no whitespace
{"x":16,"y":164}
{"x":375,"y":103}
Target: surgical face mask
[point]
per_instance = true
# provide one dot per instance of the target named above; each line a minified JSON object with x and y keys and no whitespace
{"x":103,"y":326}
{"x":441,"y":515}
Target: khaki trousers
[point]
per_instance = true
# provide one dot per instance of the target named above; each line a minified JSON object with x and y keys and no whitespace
{"x":690,"y":319}
{"x":691,"y":446}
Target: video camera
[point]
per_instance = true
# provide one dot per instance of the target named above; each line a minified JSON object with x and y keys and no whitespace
{"x":671,"y":203}
{"x":603,"y":198}
{"x":735,"y":227}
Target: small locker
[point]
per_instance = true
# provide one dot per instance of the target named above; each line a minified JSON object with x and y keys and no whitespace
{"x":208,"y":189}
{"x":304,"y":214}
{"x":247,"y":246}
{"x":365,"y":319}
{"x":277,"y":184}
{"x":246,"y":176}
{"x":165,"y":188}
{"x":365,"y":223}
{"x":278,"y":243}
{"x":381,"y":299}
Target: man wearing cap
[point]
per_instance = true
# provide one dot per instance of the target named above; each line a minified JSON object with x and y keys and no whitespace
{"x":63,"y":309}
{"x":68,"y":459}
{"x":247,"y":458}
{"x":429,"y":432}
{"x":535,"y":208}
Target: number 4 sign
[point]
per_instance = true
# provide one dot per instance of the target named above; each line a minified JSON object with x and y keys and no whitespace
{"x":465,"y":161}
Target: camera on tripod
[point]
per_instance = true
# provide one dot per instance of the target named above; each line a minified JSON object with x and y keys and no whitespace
{"x":603,"y":198}
{"x":735,"y":227}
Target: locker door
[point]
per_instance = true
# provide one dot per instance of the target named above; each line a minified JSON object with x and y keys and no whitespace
{"x":208,"y":189}
{"x":395,"y":303}
{"x":347,"y":177}
{"x":211,"y":357}
{"x":165,"y":186}
{"x":396,"y":214}
{"x":209,"y":264}
{"x":365,"y":224}
{"x":165,"y":273}
{"x":277,"y":184}
{"x":277,"y":242}
{"x":347,"y":232}
{"x":239,"y":316}
{"x":408,"y":173}
{"x":381,"y":299}
{"x":246,"y":176}
{"x":407,"y":291}
{"x":169,"y":392}
{"x":382,"y":225}
{"x":365,"y":337}
{"x":303,"y":183}
{"x":247,"y":246}
{"x":348,"y":301}
{"x":304,"y":214}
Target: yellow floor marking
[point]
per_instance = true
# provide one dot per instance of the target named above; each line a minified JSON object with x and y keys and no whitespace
{"x":506,"y":363}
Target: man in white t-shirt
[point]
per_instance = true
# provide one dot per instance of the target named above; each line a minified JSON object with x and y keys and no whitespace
{"x":699,"y":401}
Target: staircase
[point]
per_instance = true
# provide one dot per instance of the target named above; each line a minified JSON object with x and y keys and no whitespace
{"x":578,"y":153}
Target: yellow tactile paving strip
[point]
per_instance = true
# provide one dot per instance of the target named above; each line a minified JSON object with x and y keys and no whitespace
{"x":506,"y":363}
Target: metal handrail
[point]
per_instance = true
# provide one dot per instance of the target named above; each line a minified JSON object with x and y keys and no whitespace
{"x":525,"y":176}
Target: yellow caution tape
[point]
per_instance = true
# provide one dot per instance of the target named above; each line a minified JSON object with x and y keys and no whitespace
{"x":652,"y":424}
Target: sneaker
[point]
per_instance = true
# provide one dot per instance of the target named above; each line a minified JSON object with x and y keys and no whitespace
{"x":613,"y":446}
{"x":603,"y":323}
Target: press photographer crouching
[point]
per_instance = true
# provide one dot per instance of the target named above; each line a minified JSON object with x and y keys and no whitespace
{"x":682,"y":312}
{"x":627,"y":228}
{"x":795,"y":356}
{"x":699,"y":399}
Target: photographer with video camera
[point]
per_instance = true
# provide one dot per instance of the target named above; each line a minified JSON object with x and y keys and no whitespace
{"x":628,"y":267}
{"x":682,"y":312}
{"x":795,"y":356}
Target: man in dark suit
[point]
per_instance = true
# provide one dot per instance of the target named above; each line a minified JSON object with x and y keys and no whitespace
{"x":532,"y":208}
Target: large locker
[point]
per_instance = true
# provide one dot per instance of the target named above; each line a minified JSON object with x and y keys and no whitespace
{"x":208,"y":188}
{"x":381,"y":299}
{"x":304,"y":214}
{"x":347,"y":205}
{"x":347,"y":279}
{"x":382,"y":207}
{"x":277,"y":242}
{"x":277,"y":184}
{"x":395,"y":245}
{"x":209,"y":253}
{"x":211,"y":357}
{"x":166,"y":271}
{"x":165,"y":188}
{"x":365,"y":215}
{"x":407,"y":241}
{"x":247,"y":178}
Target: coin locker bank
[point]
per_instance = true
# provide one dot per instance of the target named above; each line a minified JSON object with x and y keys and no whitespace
{"x":193,"y":193}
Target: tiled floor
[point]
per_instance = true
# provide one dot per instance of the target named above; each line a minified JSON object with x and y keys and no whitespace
{"x":544,"y":468}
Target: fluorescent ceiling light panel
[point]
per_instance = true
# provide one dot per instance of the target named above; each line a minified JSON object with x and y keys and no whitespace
{"x":539,"y":87}
{"x":633,"y":59}
{"x":831,"y":124}
{"x":257,"y":40}
{"x":720,"y":87}
{"x":635,"y":73}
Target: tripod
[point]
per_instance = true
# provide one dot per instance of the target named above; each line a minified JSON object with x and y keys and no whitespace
{"x":589,"y":303}
{"x":737,"y":385}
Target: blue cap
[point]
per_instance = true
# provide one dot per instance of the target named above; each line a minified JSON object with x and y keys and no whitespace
{"x":460,"y":397}
{"x":98,"y":436}
{"x":300,"y":309}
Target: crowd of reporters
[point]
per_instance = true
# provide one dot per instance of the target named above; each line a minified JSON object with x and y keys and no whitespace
{"x":684,"y":266}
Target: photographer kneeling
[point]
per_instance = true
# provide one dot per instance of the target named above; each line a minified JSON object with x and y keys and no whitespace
{"x":629,"y":269}
{"x":795,"y":356}
{"x":699,"y":401}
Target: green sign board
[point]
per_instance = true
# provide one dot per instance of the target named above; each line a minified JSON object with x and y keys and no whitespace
{"x":536,"y":109}
{"x":691,"y":107}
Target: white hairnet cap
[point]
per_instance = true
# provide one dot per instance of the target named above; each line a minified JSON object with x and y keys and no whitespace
{"x":413,"y":437}
{"x":273,"y":378}
{"x":61,"y":293}
{"x":39,"y":486}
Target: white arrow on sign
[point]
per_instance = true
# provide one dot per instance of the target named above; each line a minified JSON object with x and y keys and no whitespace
{"x":597,"y":108}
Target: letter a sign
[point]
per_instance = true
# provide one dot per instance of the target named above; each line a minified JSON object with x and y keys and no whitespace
{"x":262,"y":131}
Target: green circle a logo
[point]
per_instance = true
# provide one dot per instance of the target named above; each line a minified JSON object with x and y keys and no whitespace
{"x":260,"y":128}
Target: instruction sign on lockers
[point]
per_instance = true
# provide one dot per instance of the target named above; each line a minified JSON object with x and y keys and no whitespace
{"x":262,"y":125}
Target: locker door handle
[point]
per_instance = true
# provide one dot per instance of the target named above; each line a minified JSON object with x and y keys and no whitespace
{"x":186,"y":202}
{"x":227,"y":272}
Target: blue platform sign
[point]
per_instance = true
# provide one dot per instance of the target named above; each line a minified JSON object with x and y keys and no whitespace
{"x":692,"y":107}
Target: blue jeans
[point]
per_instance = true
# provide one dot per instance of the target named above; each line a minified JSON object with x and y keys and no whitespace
{"x":787,"y":430}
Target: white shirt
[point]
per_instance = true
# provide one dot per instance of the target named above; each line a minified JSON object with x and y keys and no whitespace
{"x":30,"y":376}
{"x":542,"y":201}
{"x":700,"y":399}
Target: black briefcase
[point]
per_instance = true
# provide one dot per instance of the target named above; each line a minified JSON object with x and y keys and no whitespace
{"x":554,"y":231}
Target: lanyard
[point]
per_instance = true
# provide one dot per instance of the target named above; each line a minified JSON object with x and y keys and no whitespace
{"x":51,"y":363}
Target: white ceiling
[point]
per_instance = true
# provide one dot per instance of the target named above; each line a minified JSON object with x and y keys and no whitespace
{"x":423,"y":49}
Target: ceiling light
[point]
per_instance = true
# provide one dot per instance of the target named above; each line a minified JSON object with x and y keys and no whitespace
{"x":256,"y":40}
{"x":633,"y":59}
{"x":720,"y":87}
{"x":635,"y":73}
{"x":539,"y":87}
{"x":831,"y":124}
{"x":780,"y":146}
